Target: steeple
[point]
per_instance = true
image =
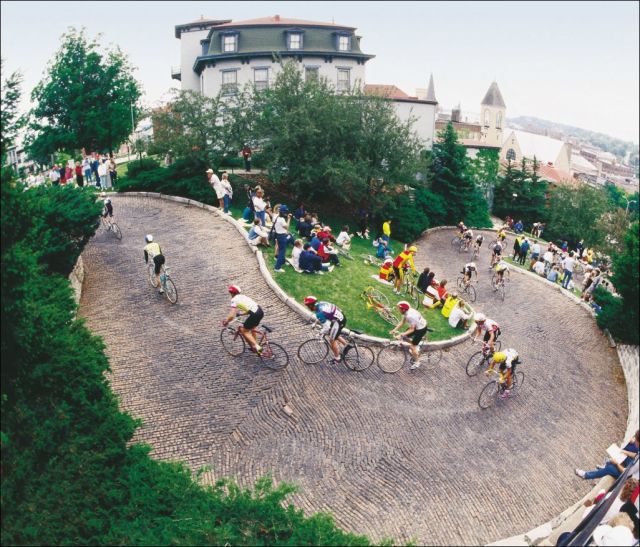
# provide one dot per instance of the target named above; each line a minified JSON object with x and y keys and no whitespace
{"x":431,"y":94}
{"x":493,"y":97}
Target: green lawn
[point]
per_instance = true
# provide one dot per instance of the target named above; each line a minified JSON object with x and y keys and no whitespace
{"x":575,"y":291}
{"x":344,"y":285}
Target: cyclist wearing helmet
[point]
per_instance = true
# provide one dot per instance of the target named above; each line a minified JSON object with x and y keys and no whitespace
{"x":461,"y":228}
{"x":468,"y":234}
{"x":332,"y":320}
{"x":243,"y":305}
{"x":417,"y":329}
{"x":506,"y":361}
{"x":479,"y":240}
{"x":467,"y":270}
{"x":108,"y":208}
{"x":490,"y":328}
{"x":502,"y":267}
{"x":400,"y":263}
{"x":152,"y":250}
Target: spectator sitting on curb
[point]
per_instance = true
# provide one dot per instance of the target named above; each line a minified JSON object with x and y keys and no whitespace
{"x":258,"y":235}
{"x":538,"y":267}
{"x":553,"y":275}
{"x":458,"y":317}
{"x":610,"y":467}
{"x":442,"y":294}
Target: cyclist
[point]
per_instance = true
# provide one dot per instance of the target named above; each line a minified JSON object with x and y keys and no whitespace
{"x":507,"y":360}
{"x":478,"y":244}
{"x":500,"y":268}
{"x":333,"y":321}
{"x":107,"y":211}
{"x":386,"y":270}
{"x":502,"y":235}
{"x":497,"y":254}
{"x":152,"y":250}
{"x":417,"y":329}
{"x":400,"y":264}
{"x":467,"y":270}
{"x":243,"y":305}
{"x":461,"y":228}
{"x":490,"y":328}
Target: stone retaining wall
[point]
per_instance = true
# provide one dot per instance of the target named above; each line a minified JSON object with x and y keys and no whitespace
{"x":76,"y":277}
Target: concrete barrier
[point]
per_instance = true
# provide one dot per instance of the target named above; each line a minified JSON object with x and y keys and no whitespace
{"x":76,"y":278}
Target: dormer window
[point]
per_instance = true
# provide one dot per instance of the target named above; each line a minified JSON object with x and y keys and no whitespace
{"x":230,"y":42}
{"x":294,"y":40}
{"x":344,"y":42}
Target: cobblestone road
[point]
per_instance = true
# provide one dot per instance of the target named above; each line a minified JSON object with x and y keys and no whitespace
{"x":407,"y":455}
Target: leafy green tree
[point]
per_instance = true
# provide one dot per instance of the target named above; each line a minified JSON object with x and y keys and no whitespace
{"x":11,"y":119}
{"x":484,"y":170}
{"x":453,"y":182}
{"x":84,"y":100}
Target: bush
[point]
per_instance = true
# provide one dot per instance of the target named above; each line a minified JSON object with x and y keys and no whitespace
{"x":138,"y":166}
{"x":615,"y":317}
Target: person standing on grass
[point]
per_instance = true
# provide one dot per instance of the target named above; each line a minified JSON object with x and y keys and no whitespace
{"x":246,"y":155}
{"x":228,"y":192}
{"x":281,"y":228}
{"x":86,"y":167}
{"x":214,"y":181}
{"x":79,"y":177}
{"x":568,"y":265}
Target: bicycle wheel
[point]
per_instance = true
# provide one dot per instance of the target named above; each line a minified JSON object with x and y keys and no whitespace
{"x":346,"y":254}
{"x":433,"y":357}
{"x":391,"y":358}
{"x":463,"y":247}
{"x":455,"y":241}
{"x":460,"y":283}
{"x":471,"y":291}
{"x":358,"y":358}
{"x":518,"y":380}
{"x":274,"y":356}
{"x":232,"y":341}
{"x":475,"y":364}
{"x":116,"y":231}
{"x":488,"y":395}
{"x":501,"y":291}
{"x":313,"y":351}
{"x":152,"y":276}
{"x":387,"y":315}
{"x":170,"y":290}
{"x":376,"y":295}
{"x":497,"y":345}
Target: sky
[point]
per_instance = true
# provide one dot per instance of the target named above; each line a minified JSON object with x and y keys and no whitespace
{"x":568,"y":62}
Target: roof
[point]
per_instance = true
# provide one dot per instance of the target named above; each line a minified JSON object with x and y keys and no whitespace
{"x":552,"y":174}
{"x":203,"y":23}
{"x":277,"y":20}
{"x":386,"y":91}
{"x":545,"y":149}
{"x":582,"y":165}
{"x":493,"y":96}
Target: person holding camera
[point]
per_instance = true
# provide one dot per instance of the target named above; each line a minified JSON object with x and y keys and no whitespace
{"x":281,"y":228}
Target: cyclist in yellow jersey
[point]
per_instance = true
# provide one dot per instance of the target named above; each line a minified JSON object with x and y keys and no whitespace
{"x":243,"y":305}
{"x":152,"y":250}
{"x":506,"y":361}
{"x":502,"y":267}
{"x":404,"y":259}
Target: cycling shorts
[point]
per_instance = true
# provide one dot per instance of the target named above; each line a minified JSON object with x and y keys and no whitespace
{"x":488,"y":334}
{"x":399,"y":272}
{"x":468,"y":236}
{"x":254,"y":318}
{"x":336,"y":328}
{"x":417,"y":336}
{"x":158,"y":261}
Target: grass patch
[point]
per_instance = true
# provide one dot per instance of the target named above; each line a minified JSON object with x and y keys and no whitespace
{"x":344,"y":285}
{"x":512,"y":262}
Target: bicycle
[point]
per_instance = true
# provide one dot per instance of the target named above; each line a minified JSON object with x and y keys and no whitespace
{"x":355,"y":357}
{"x":168,"y":286}
{"x":455,"y":240}
{"x":498,"y":286}
{"x":273,"y":355}
{"x":481,"y":358}
{"x":345,"y":251}
{"x":466,"y":288}
{"x":111,"y":226}
{"x":411,"y":290}
{"x":380,"y":303}
{"x":371,"y":260}
{"x":492,"y":391}
{"x":395,"y":354}
{"x":465,"y":246}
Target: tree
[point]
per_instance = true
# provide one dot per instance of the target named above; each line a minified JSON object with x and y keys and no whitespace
{"x":484,"y":170}
{"x":84,"y":100}
{"x":11,"y":120}
{"x":453,"y":181}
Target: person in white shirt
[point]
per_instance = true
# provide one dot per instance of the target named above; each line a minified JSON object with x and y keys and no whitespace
{"x":54,"y":175}
{"x":344,"y":239}
{"x":417,"y":329}
{"x":548,"y":260}
{"x":103,"y":174}
{"x":458,"y":315}
{"x":568,"y":265}
{"x":215,"y":183}
{"x":281,"y":228}
{"x":259,"y":206}
{"x":539,"y":267}
{"x":295,"y":254}
{"x":228,"y":192}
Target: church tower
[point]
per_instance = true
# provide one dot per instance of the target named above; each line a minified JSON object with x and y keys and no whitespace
{"x":492,"y":116}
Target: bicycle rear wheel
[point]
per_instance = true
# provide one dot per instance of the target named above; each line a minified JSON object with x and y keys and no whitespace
{"x":170,"y":290}
{"x":152,"y":275}
{"x":274,"y":356}
{"x":488,"y":395}
{"x":471,"y":291}
{"x":475,"y":363}
{"x":232,"y":341}
{"x":116,"y":231}
{"x":518,"y":380}
{"x":358,"y":358}
{"x":391,"y":359}
{"x":433,"y":357}
{"x":501,"y":291}
{"x":387,"y":315}
{"x":313,"y":351}
{"x":455,"y":241}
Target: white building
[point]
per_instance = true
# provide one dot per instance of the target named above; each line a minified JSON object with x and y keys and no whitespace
{"x":551,"y":153}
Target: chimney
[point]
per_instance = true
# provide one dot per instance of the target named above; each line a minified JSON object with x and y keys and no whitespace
{"x":277,"y":18}
{"x":455,"y":114}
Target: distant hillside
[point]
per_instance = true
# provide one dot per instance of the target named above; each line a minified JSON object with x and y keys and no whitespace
{"x":623,"y":150}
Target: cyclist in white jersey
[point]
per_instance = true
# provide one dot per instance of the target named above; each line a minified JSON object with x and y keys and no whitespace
{"x":243,"y":305}
{"x":417,"y":329}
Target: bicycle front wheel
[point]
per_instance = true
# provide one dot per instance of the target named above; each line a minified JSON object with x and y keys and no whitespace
{"x":170,"y":290}
{"x":391,"y":359}
{"x":274,"y":356}
{"x":152,"y":275}
{"x":358,"y":358}
{"x":433,"y":357}
{"x":475,"y":364}
{"x":232,"y":341}
{"x":116,"y":231}
{"x":518,"y":380}
{"x":313,"y":351}
{"x":488,"y":395}
{"x":376,"y":295}
{"x":471,"y":291}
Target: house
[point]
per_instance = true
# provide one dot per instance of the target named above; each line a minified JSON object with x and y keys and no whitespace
{"x":222,"y":55}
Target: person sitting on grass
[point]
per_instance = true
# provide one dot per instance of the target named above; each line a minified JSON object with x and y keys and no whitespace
{"x":310,"y":262}
{"x":295,"y":254}
{"x":553,"y":274}
{"x":304,"y":227}
{"x":383,"y":250}
{"x":386,"y":270}
{"x":344,"y":238}
{"x":460,"y":315}
{"x":539,"y":266}
{"x":327,"y":253}
{"x":258,"y":235}
{"x":441,"y":289}
{"x":424,"y":280}
{"x":315,"y":240}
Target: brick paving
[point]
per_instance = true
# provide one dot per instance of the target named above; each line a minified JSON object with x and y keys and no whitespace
{"x":408,"y":455}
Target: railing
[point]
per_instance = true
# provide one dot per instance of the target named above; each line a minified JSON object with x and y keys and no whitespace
{"x":176,"y":73}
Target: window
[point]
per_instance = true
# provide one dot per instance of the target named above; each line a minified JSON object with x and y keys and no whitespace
{"x":344,"y":43}
{"x":229,"y":43}
{"x":295,"y":40}
{"x":229,"y":82}
{"x":499,"y":120}
{"x":343,"y":80}
{"x":311,"y":74}
{"x":486,"y":118}
{"x":511,"y":154}
{"x":261,"y":78}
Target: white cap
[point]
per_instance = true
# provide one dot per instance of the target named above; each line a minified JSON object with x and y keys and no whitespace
{"x":607,"y":536}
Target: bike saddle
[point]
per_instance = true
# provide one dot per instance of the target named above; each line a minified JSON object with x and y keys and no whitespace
{"x":268,"y":329}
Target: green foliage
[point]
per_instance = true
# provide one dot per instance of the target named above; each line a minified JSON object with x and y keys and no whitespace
{"x":84,"y":100}
{"x":453,"y":181}
{"x":484,"y":171}
{"x":11,"y":121}
{"x":616,"y":317}
{"x":135,"y":167}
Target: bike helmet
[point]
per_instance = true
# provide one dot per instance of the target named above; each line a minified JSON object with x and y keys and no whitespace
{"x":480,"y":317}
{"x":413,"y":249}
{"x":234,"y":289}
{"x":148,"y":238}
{"x":403,"y":306}
{"x":310,"y":300}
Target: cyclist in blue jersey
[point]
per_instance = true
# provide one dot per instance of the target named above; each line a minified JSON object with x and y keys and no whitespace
{"x":332,"y":320}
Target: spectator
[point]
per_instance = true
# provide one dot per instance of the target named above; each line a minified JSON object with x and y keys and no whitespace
{"x":519,"y":227}
{"x":295,"y":254}
{"x":565,"y":246}
{"x":113,"y":171}
{"x":79,"y":177}
{"x":553,"y":274}
{"x":610,"y":467}
{"x":567,"y":265}
{"x":310,"y":262}
{"x":258,"y":235}
{"x":281,"y":228}
{"x":458,"y":317}
{"x":386,"y":230}
{"x":305,"y":227}
{"x":580,"y":248}
{"x":548,"y":260}
{"x":246,"y":155}
{"x":54,"y":176}
{"x":103,"y":174}
{"x":363,"y":223}
{"x":383,"y":250}
{"x":616,"y":533}
{"x":215,"y":183}
{"x":344,"y":239}
{"x":248,"y":211}
{"x":326,"y":252}
{"x":386,"y":270}
{"x":259,"y":206}
{"x":593,"y":282}
{"x":535,"y":252}
{"x":589,"y":256}
{"x":539,"y":268}
{"x":63,"y":174}
{"x":541,"y":227}
{"x":228,"y":192}
{"x":524,"y":249}
{"x":69,"y":171}
{"x":516,"y":247}
{"x":299,"y":213}
{"x":424,"y":280}
{"x":441,"y":289}
{"x":86,"y":167}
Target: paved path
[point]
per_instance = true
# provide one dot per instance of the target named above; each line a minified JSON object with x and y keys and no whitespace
{"x":406,"y":455}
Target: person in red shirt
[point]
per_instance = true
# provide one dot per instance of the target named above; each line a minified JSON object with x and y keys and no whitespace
{"x":323,"y":253}
{"x":79,"y":177}
{"x":441,"y":289}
